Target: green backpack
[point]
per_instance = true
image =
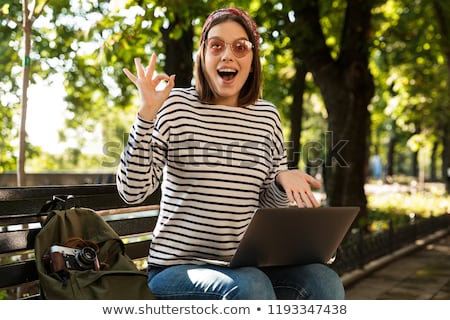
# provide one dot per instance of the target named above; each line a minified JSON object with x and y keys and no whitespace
{"x":79,"y":256}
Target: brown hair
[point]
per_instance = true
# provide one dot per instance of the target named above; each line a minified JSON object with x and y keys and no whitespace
{"x":251,"y":90}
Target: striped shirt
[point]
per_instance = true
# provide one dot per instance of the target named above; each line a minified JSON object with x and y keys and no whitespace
{"x":216,"y":165}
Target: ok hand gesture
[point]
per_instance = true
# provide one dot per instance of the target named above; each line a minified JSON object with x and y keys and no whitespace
{"x":146,"y":82}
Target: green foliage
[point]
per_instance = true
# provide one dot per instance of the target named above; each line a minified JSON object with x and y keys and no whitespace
{"x":74,"y":160}
{"x":3,"y":295}
{"x":90,"y":44}
{"x":411,"y":75}
{"x":9,"y":69}
{"x":407,"y":203}
{"x":7,"y":134}
{"x":419,"y":204}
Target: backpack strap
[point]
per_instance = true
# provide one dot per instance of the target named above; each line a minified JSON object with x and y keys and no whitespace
{"x":58,"y":202}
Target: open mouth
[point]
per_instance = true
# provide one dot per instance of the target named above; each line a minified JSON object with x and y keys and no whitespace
{"x":227,"y":74}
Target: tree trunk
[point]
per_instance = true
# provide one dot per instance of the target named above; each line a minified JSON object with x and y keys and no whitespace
{"x":414,"y":164}
{"x":433,"y":160}
{"x":443,"y":21}
{"x":27,"y":24}
{"x":179,"y":55}
{"x":391,"y":154}
{"x":347,"y":88}
{"x":347,"y":137}
{"x":446,"y":159}
{"x":296,"y":115}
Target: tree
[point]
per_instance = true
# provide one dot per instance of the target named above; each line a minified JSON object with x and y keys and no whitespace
{"x":443,"y":18}
{"x":30,"y":12}
{"x":135,"y":30}
{"x":287,"y":82}
{"x":412,"y":105}
{"x":347,"y":88}
{"x":89,"y":44}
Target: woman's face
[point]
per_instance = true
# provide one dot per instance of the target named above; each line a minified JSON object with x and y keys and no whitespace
{"x":226,"y":72}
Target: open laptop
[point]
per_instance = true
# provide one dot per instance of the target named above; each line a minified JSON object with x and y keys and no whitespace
{"x":287,"y":236}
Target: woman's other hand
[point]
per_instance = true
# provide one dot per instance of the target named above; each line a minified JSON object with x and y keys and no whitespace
{"x":297,"y":186}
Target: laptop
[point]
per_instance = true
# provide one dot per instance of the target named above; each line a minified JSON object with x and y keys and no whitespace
{"x":288,"y":236}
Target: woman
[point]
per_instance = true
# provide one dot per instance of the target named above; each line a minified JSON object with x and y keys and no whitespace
{"x":218,"y":152}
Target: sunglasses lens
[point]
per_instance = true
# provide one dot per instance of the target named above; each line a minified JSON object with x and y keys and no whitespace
{"x":215,"y":46}
{"x":240,"y":48}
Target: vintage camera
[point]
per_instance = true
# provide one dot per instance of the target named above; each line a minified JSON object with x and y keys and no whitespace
{"x":65,"y":258}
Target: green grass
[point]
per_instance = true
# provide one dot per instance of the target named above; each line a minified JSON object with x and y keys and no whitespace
{"x":402,"y":206}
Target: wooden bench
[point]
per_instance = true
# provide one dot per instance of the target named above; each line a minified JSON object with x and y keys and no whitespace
{"x":20,"y":222}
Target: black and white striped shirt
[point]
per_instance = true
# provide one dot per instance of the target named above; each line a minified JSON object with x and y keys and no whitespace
{"x":216,"y":163}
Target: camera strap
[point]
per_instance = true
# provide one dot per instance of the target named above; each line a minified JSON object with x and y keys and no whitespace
{"x":78,"y":243}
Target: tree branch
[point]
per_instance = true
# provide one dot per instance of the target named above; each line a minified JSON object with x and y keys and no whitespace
{"x":7,"y":16}
{"x":31,"y":11}
{"x":39,"y":12}
{"x":313,"y":48}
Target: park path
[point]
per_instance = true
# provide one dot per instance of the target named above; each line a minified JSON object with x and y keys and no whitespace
{"x":423,"y":274}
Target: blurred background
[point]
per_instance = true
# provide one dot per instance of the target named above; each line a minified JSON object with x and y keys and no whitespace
{"x":362,"y":88}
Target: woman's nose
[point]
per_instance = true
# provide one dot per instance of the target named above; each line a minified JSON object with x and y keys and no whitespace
{"x":227,"y":53}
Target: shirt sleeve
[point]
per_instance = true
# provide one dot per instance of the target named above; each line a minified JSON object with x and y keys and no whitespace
{"x":141,"y":163}
{"x":271,"y":195}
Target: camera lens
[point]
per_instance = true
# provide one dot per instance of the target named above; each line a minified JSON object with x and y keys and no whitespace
{"x":86,"y":257}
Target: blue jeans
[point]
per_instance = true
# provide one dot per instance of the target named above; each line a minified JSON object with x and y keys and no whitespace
{"x":185,"y":282}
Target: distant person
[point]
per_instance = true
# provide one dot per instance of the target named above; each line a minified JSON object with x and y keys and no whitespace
{"x":217,"y":151}
{"x":377,"y":167}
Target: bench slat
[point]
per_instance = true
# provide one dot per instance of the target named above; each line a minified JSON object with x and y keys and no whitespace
{"x":98,"y":197}
{"x":17,"y":273}
{"x":17,"y":240}
{"x":11,"y":241}
{"x":136,"y":249}
{"x":133,"y":226}
{"x":21,"y":193}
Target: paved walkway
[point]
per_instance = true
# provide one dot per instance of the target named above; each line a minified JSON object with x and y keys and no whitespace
{"x":419,"y":273}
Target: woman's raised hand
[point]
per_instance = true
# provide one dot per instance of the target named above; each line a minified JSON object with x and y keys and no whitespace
{"x":146,"y":82}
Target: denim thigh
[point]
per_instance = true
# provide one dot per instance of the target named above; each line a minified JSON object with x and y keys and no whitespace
{"x":198,"y":282}
{"x":312,"y":281}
